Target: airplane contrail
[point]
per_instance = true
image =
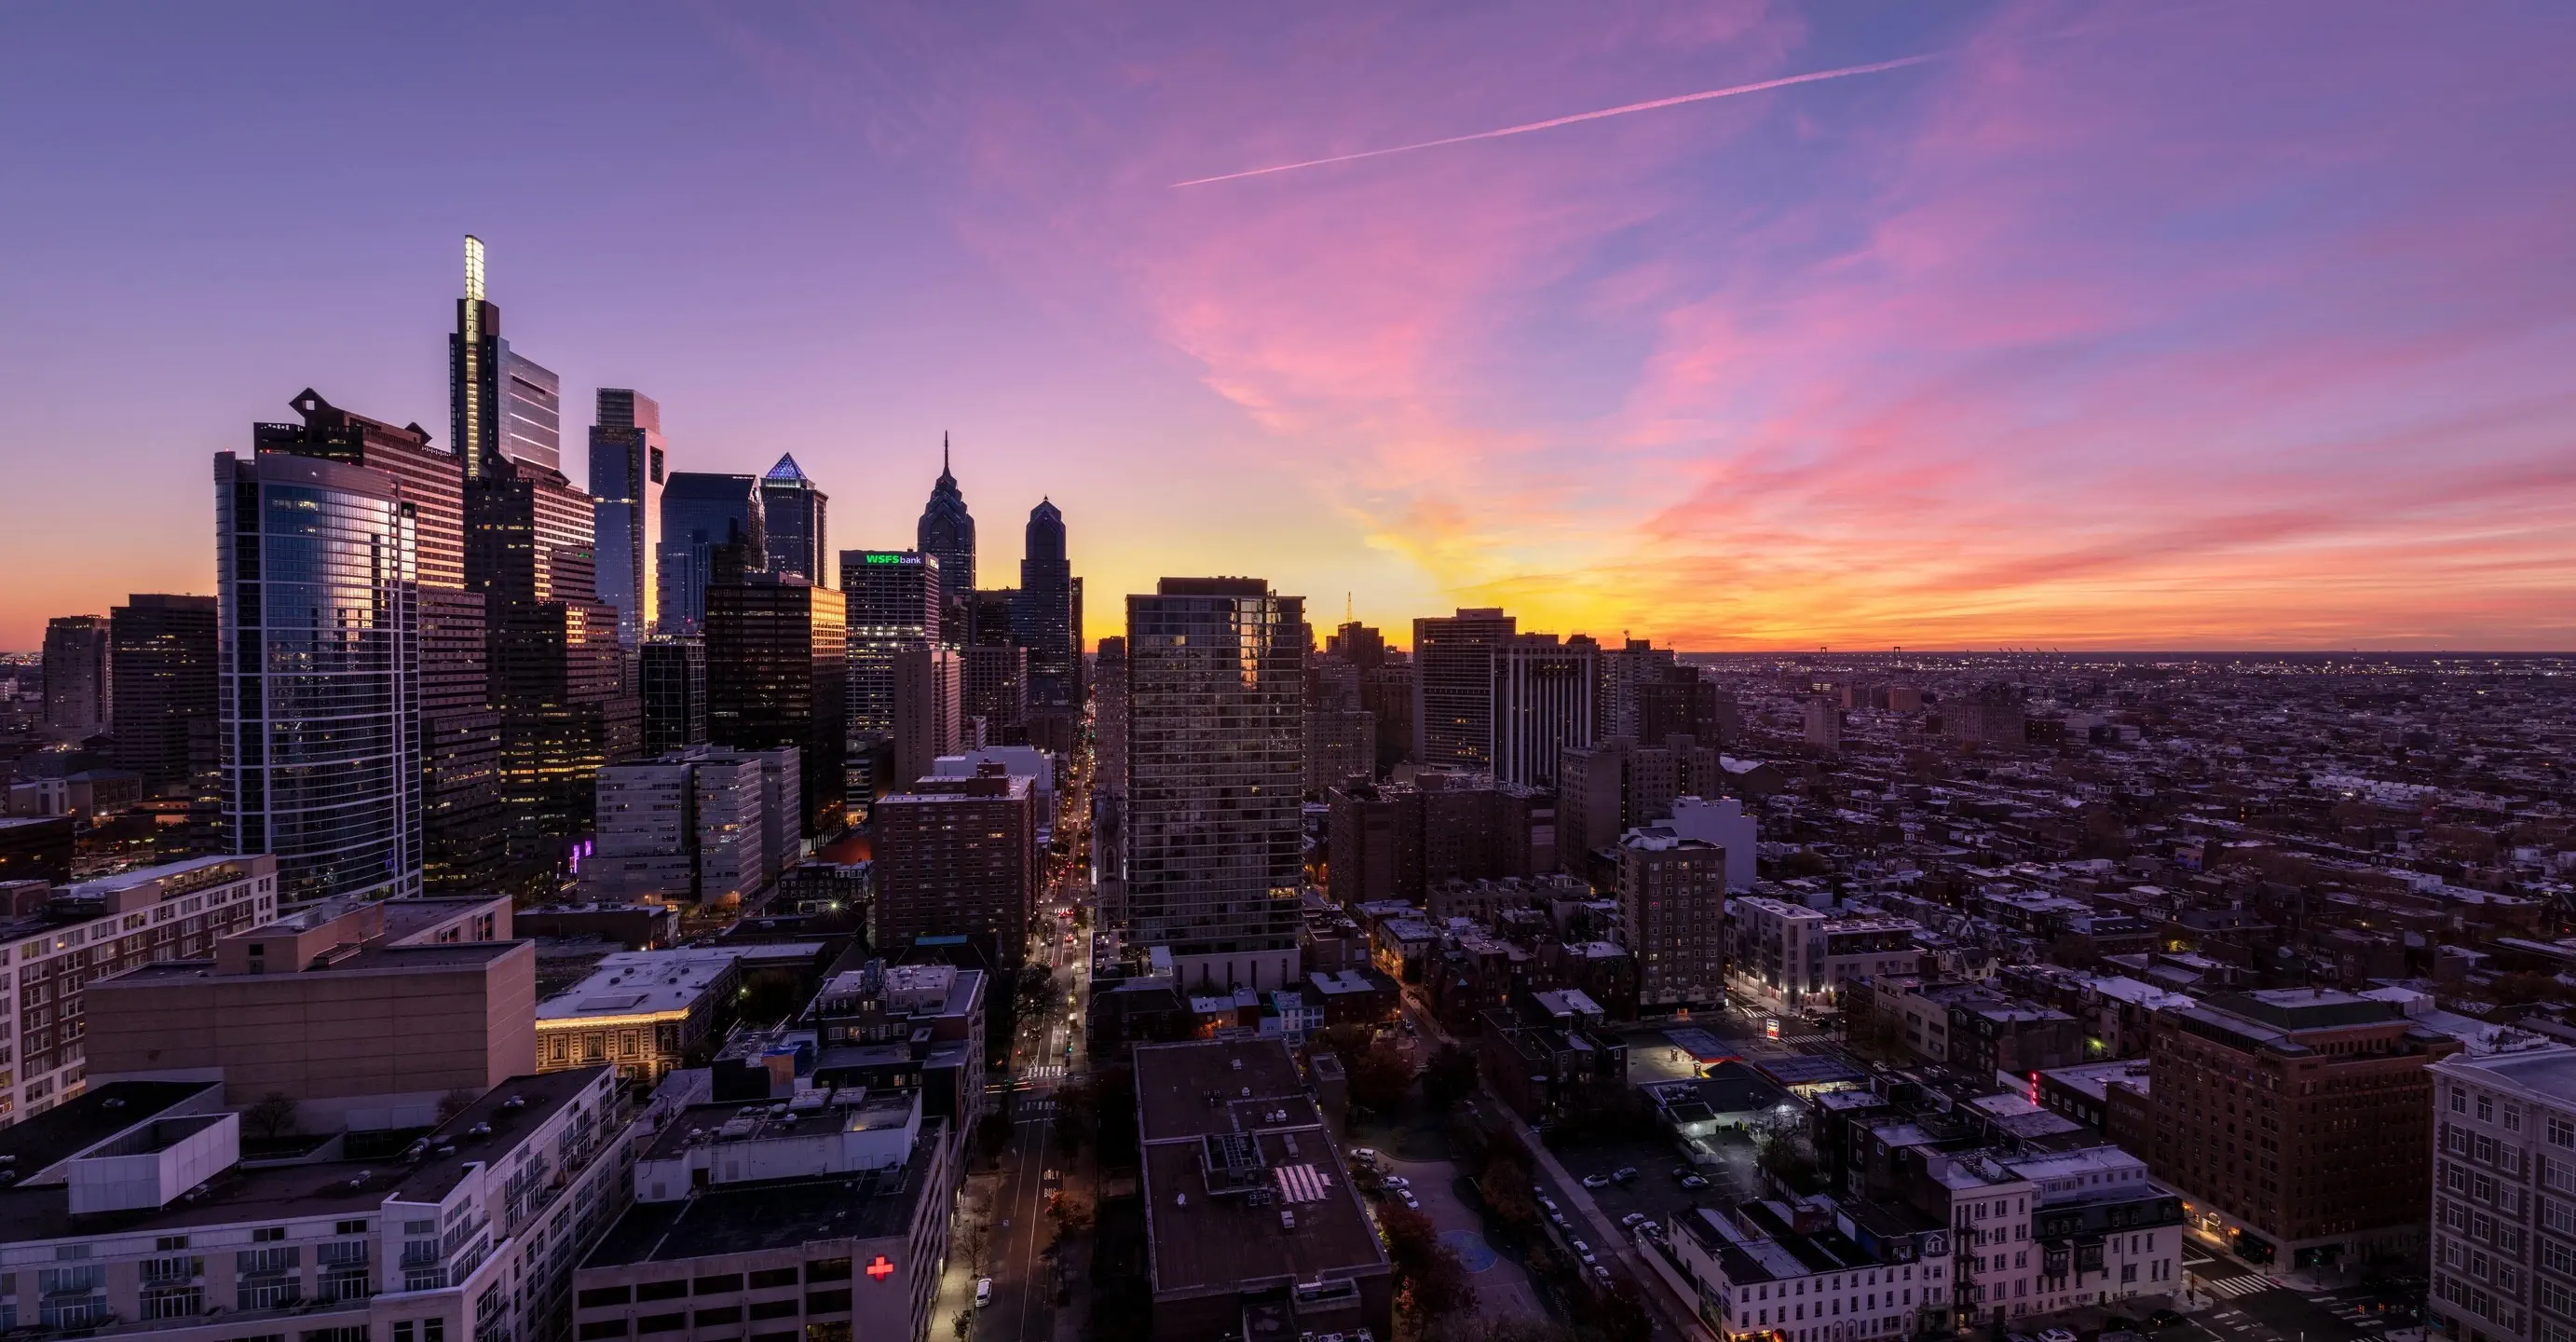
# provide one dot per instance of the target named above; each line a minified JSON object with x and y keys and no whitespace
{"x":1552,"y":123}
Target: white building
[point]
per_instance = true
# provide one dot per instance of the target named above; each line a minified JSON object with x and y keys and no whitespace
{"x":695,"y":825}
{"x":2504,"y":1196}
{"x":1020,"y":761}
{"x":1796,"y":956}
{"x":1724,"y":823}
{"x":1814,"y":1271}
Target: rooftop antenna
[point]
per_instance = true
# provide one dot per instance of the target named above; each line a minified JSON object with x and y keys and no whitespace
{"x":1346,"y":607}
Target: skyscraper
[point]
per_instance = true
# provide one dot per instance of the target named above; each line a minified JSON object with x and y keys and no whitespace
{"x":672,"y":684}
{"x":1542,"y":703}
{"x":1626,"y":671}
{"x":318,"y":664}
{"x":77,"y":671}
{"x":778,"y":675}
{"x":626,"y":472}
{"x":1360,"y":644}
{"x":460,"y":748}
{"x":958,"y":857}
{"x":948,"y":531}
{"x":791,"y":508}
{"x":927,"y":711}
{"x":1042,"y":614}
{"x":162,"y":660}
{"x":501,"y":405}
{"x":1215,"y":763}
{"x":993,"y":689}
{"x":1453,"y":687}
{"x":894,"y":603}
{"x":702,"y":516}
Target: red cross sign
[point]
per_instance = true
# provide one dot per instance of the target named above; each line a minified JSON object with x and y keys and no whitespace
{"x":880,"y":1269}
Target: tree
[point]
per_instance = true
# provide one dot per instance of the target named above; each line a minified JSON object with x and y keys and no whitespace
{"x":1624,"y":1315}
{"x":1508,"y":1192}
{"x":992,"y":1134}
{"x":1432,"y":1282}
{"x":1077,"y":1114}
{"x":273,"y":1117}
{"x":1449,"y":1078}
{"x":1380,"y":1079}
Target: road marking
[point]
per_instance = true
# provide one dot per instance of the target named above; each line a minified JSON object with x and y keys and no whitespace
{"x":2234,"y":1287}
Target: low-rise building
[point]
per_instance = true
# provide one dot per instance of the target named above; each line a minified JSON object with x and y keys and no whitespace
{"x":642,"y":1012}
{"x":1797,"y":957}
{"x":822,"y":1219}
{"x":1248,"y":1204}
{"x":1546,"y":1052}
{"x":917,"y":1027}
{"x":1816,"y":1270}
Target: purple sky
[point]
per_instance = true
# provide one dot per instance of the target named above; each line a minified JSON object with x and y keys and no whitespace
{"x":2202,"y":325}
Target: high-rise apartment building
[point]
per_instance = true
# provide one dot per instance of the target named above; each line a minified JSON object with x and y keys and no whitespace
{"x":1361,"y":645}
{"x":460,"y":747}
{"x":894,"y":598}
{"x":501,"y":405}
{"x":929,"y":711}
{"x":947,"y":531}
{"x":672,"y":685}
{"x":1453,"y":686}
{"x":1386,"y":691}
{"x":1607,"y":789}
{"x":1625,"y":671}
{"x":681,"y":826}
{"x":78,"y":697}
{"x":1109,"y":779}
{"x":1542,"y":704}
{"x":958,"y":857}
{"x":1042,"y":618}
{"x":318,"y":622}
{"x":162,"y":660}
{"x":705,"y":519}
{"x":1672,"y":901}
{"x":1824,"y":724}
{"x":778,"y":675}
{"x":2504,"y":1196}
{"x":792,"y":515}
{"x":1215,"y":777}
{"x":2268,"y":1101}
{"x":627,"y":467}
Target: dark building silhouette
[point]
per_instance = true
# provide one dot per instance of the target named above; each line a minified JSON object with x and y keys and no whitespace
{"x":792,"y":514}
{"x":1042,"y":613}
{"x":501,"y":406}
{"x":162,"y":658}
{"x":77,"y":693}
{"x":777,"y":675}
{"x":1453,"y":686}
{"x":672,"y":683}
{"x":958,"y":857}
{"x":628,"y":464}
{"x":947,"y":530}
{"x":703,"y":518}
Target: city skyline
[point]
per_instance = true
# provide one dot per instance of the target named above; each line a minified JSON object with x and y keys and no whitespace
{"x":2200,"y":329}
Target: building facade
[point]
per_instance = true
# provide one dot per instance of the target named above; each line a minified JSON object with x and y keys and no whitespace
{"x":947,"y":533}
{"x":627,"y":469}
{"x":1672,"y":900}
{"x":959,"y":857}
{"x":793,"y":515}
{"x":705,"y":518}
{"x":162,"y":655}
{"x":78,"y":692}
{"x":778,"y":675}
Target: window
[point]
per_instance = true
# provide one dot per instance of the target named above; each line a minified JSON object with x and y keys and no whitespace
{"x":2486,"y":1108}
{"x":721,"y":1314}
{"x":660,"y":1290}
{"x":2562,"y":1131}
{"x":722,"y":1284}
{"x":776,"y":1276}
{"x":267,"y":1234}
{"x":592,"y":1332}
{"x":350,"y":1228}
{"x":662,"y":1323}
{"x":599,"y":1296}
{"x":827,"y":1302}
{"x":773,"y":1309}
{"x":830,"y":1269}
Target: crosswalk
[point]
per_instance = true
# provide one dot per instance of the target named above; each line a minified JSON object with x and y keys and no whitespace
{"x":2231,"y":1288}
{"x":1028,"y":1109}
{"x":1043,"y":1072}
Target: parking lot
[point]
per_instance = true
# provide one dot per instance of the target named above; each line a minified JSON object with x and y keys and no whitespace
{"x":1655,"y":1192}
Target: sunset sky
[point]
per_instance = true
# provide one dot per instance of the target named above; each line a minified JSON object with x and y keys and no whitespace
{"x":2210,"y":325}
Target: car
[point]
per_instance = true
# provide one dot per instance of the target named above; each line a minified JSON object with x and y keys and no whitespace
{"x":1548,"y":1202}
{"x":1558,"y":1218}
{"x":2057,"y":1335}
{"x":1596,"y":1181}
{"x":1624,"y":1173}
{"x":1632,"y":1219}
{"x":1693,"y":1181}
{"x":1409,"y":1203}
{"x":1398,"y":1181}
{"x":1650,"y":1230}
{"x":1589,"y":1260}
{"x":1366,"y":1155}
{"x":1601,"y":1274}
{"x":2163,"y":1318}
{"x":983,"y":1292}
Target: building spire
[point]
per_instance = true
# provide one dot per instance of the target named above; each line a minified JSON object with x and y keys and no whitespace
{"x":473,"y":269}
{"x":943,"y":452}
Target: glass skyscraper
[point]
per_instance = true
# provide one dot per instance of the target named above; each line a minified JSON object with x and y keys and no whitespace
{"x":1215,"y":777}
{"x":703,"y":514}
{"x":627,"y":464}
{"x":894,"y":604}
{"x":948,"y":531}
{"x":792,"y":511}
{"x":319,"y":670}
{"x":501,"y":405}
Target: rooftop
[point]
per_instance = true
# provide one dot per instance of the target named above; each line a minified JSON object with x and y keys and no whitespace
{"x":38,"y":1143}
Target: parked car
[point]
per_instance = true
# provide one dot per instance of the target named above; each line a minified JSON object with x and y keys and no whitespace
{"x":983,"y":1292}
{"x":1398,"y":1181}
{"x":1558,"y":1218}
{"x":1409,"y":1203}
{"x":1548,"y":1202}
{"x":1596,"y":1181}
{"x":1600,"y":1273}
{"x":1632,"y":1219}
{"x":1693,"y":1181}
{"x":2057,"y":1335}
{"x":1624,"y":1173}
{"x":2163,"y":1318}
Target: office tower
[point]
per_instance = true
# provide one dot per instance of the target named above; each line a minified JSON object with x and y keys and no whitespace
{"x":501,"y":405}
{"x":162,"y":661}
{"x":1387,"y":693}
{"x":1672,"y":901}
{"x":460,"y":749}
{"x":1042,"y":613}
{"x":2269,"y":1102}
{"x":1542,"y":703}
{"x":988,"y":617}
{"x":1625,"y":670}
{"x":778,"y":675}
{"x":1215,"y":777}
{"x":1606,"y":789}
{"x":894,"y":599}
{"x":626,"y":474}
{"x":958,"y":857}
{"x":703,"y":517}
{"x":929,"y":711}
{"x":1824,"y":723}
{"x":791,"y":510}
{"x":687,"y":825}
{"x":78,"y":701}
{"x":318,"y":622}
{"x":1453,"y":686}
{"x":948,"y":532}
{"x":672,"y":682}
{"x":1358,"y":644}
{"x":993,"y":689}
{"x":558,"y":673}
{"x":1679,"y":701}
{"x":1341,"y":737}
